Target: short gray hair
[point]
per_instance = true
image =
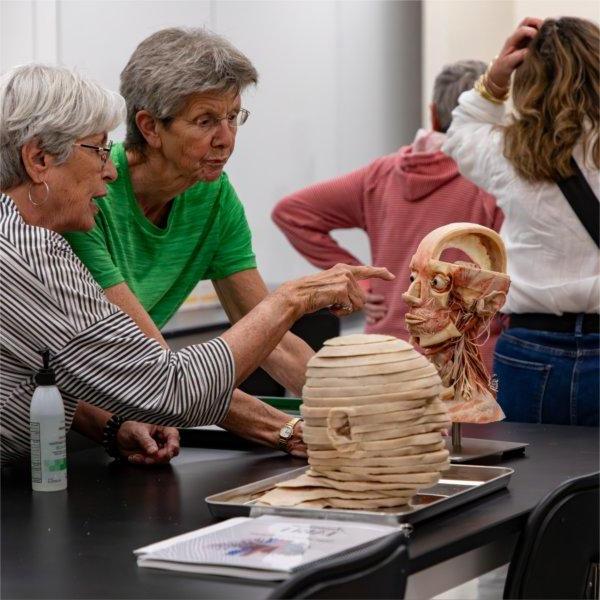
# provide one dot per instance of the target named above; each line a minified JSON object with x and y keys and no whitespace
{"x":170,"y":65}
{"x":55,"y":105}
{"x":452,"y":81}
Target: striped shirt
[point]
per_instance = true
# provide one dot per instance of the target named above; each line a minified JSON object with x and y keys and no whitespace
{"x":48,"y":299}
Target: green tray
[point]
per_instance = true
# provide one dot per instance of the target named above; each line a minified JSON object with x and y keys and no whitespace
{"x":288,"y":405}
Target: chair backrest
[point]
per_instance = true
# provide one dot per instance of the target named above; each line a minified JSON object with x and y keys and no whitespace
{"x":557,"y":553}
{"x":376,"y":571}
{"x":314,"y":329}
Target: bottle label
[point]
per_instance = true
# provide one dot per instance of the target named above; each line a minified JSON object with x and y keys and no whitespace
{"x":36,"y":457}
{"x":48,"y":451}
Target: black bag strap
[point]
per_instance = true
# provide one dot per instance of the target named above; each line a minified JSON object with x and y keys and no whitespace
{"x":583,"y":201}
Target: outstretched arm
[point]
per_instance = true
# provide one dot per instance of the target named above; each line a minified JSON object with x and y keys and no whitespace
{"x":239,"y":294}
{"x":255,"y":336}
{"x":475,"y":139}
{"x":247,"y":416}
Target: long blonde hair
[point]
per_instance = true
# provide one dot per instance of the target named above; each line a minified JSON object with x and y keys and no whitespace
{"x":555,"y":93}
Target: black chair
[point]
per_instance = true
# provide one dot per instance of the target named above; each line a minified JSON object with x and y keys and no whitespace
{"x":314,"y":329}
{"x":557,"y":553}
{"x":376,"y":571}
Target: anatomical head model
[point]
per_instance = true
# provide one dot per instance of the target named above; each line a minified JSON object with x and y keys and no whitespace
{"x":451,"y":305}
{"x":373,"y":422}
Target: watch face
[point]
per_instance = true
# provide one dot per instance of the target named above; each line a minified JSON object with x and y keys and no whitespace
{"x":287,"y":431}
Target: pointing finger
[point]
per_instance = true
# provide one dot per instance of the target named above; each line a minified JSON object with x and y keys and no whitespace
{"x":364,"y":272}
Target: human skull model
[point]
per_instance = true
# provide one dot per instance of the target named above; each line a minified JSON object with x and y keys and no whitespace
{"x":451,"y":305}
{"x":373,"y":423}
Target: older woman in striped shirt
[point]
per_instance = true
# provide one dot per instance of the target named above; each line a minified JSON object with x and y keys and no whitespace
{"x":54,"y":162}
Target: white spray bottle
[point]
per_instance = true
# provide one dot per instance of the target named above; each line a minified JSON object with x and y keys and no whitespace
{"x":47,"y":428}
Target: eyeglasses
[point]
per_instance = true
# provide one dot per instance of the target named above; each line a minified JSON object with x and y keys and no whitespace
{"x":103,"y":151}
{"x":209,"y":123}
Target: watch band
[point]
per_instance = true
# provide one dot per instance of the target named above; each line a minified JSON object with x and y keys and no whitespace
{"x":286,"y":433}
{"x":109,"y":435}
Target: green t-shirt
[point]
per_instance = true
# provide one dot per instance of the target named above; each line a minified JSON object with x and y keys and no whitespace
{"x":206,"y":237}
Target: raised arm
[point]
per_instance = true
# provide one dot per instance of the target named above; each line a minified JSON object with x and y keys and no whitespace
{"x":475,"y":139}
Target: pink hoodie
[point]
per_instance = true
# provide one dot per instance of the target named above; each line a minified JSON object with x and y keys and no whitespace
{"x":397,"y":200}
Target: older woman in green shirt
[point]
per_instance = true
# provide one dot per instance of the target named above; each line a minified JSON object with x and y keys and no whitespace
{"x":172,"y":218}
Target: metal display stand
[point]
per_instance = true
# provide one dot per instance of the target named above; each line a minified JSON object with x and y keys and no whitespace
{"x":467,"y":449}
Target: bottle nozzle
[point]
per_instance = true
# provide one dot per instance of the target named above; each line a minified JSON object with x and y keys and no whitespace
{"x":45,"y":376}
{"x":45,"y":357}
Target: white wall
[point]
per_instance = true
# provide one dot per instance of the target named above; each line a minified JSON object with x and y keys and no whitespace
{"x":586,"y":9}
{"x":342,"y":82}
{"x":27,"y":32}
{"x":459,"y":29}
{"x":339,"y":84}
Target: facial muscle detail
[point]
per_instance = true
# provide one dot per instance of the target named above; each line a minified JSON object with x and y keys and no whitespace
{"x":452,"y":305}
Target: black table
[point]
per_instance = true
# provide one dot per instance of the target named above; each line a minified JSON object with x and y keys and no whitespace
{"x":78,"y":543}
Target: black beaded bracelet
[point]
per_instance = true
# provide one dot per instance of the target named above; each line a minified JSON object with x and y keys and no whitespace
{"x":109,"y":435}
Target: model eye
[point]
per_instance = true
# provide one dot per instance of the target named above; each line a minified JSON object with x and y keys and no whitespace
{"x":440,"y":283}
{"x":412,"y":278}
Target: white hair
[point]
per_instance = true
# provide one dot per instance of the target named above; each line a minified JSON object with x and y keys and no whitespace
{"x":55,"y":105}
{"x":173,"y":63}
{"x":452,"y":81}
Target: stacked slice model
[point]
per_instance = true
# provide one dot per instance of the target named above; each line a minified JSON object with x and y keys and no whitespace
{"x":373,"y":422}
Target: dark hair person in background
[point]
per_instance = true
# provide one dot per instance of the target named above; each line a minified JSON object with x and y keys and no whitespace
{"x":547,"y":362}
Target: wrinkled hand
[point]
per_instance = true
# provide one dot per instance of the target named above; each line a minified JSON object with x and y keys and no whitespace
{"x":296,"y":445}
{"x":146,"y":444}
{"x":375,"y":307}
{"x":511,"y":56}
{"x":336,"y":288}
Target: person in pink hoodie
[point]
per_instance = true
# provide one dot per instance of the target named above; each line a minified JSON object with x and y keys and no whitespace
{"x":397,"y":200}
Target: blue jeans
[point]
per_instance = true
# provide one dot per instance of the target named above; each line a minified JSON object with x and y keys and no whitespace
{"x":547,"y":377}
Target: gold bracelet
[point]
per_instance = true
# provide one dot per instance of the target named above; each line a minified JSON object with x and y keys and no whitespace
{"x":486,"y":81}
{"x":481,"y":88}
{"x":490,"y":85}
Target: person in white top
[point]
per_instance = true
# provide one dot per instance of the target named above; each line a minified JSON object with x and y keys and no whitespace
{"x":547,"y":361}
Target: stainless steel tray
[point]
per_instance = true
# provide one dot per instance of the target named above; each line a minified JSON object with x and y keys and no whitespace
{"x":460,"y":484}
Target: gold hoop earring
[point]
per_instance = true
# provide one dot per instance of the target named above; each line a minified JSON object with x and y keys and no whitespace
{"x":45,"y":197}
